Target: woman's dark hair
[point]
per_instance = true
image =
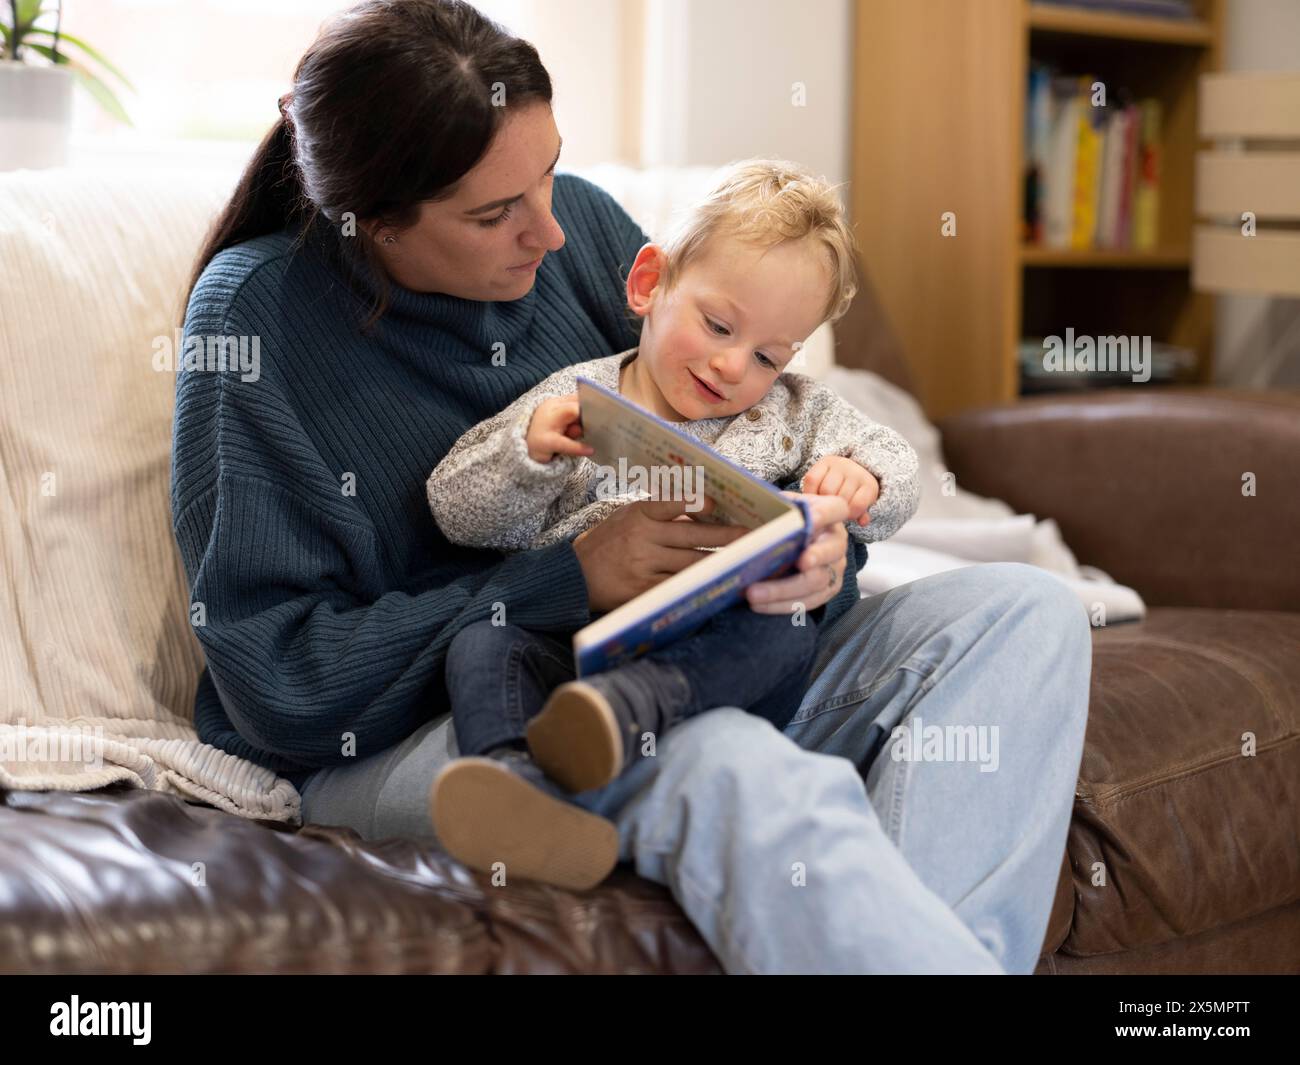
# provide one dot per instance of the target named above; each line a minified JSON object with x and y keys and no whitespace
{"x":394,"y":102}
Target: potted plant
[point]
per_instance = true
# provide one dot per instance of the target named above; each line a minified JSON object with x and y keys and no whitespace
{"x":36,"y":97}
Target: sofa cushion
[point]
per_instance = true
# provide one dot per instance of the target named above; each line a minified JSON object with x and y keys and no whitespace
{"x":130,"y":881}
{"x":96,"y":650}
{"x":1263,"y":944}
{"x":1189,"y":791}
{"x":1189,"y":495}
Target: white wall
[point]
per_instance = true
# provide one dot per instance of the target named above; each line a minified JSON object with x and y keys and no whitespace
{"x":1257,"y":338}
{"x":582,"y":45}
{"x":719,"y":77}
{"x":694,"y":82}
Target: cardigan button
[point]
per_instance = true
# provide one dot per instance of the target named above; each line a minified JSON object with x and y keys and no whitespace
{"x":787,"y":443}
{"x":753,"y":415}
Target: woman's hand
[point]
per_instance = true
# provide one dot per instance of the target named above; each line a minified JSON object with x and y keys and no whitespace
{"x":821,"y":566}
{"x":641,"y":543}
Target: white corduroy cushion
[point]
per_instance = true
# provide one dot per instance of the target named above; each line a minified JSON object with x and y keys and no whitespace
{"x":95,"y":642}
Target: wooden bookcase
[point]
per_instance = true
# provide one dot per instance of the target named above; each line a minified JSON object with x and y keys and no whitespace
{"x":938,"y":125}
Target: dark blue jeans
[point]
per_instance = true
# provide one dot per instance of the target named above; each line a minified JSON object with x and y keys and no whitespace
{"x":499,"y":676}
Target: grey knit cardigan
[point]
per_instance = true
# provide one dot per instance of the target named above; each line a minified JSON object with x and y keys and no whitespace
{"x":489,"y":492}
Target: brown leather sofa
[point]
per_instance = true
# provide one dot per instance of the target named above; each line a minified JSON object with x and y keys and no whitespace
{"x":1199,"y":844}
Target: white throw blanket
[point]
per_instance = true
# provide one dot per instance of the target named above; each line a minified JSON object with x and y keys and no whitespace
{"x":954,"y":528}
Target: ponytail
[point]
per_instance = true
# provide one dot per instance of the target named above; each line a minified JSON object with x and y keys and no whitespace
{"x":268,"y":197}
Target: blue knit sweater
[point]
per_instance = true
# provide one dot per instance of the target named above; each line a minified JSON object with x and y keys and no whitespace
{"x":328,"y":594}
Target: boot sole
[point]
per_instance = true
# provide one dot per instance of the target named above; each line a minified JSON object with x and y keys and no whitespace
{"x":484,"y":815}
{"x":576,"y":738}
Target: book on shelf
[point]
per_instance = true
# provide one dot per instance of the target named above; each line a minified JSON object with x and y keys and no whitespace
{"x":1038,"y":138}
{"x":646,"y":450}
{"x":1087,"y":166}
{"x":1146,"y":192}
{"x":1108,"y":183}
{"x":1058,"y":174}
{"x":1092,"y":170}
{"x":1128,"y":180}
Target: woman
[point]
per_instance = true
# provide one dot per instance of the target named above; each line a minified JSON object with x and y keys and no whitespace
{"x":410,"y":264}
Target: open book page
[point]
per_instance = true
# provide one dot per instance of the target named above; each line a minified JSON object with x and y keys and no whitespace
{"x":617,"y":428}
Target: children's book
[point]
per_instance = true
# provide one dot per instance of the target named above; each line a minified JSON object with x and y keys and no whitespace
{"x":643,"y":454}
{"x":1087,"y":164}
{"x":1146,"y":196}
{"x":1058,"y":209}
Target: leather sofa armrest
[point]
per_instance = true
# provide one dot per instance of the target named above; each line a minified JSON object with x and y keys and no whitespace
{"x":1151,"y":486}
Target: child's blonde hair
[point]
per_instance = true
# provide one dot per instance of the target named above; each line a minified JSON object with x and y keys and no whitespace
{"x":766,"y":202}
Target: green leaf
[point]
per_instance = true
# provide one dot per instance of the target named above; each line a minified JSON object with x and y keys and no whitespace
{"x":48,"y":53}
{"x":28,"y":12}
{"x":101,"y":92}
{"x":25,"y":13}
{"x":93,"y":53}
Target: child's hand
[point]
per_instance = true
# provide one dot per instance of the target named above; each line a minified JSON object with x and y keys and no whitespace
{"x":835,"y":475}
{"x":555,"y":429}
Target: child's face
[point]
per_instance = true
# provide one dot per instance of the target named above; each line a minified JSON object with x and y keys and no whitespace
{"x":733,"y":321}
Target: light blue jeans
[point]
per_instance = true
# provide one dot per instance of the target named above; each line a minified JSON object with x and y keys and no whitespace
{"x":911,"y":818}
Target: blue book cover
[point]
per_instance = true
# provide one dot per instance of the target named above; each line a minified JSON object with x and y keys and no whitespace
{"x":635,"y":444}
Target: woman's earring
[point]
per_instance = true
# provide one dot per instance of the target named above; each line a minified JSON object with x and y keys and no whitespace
{"x":390,"y":240}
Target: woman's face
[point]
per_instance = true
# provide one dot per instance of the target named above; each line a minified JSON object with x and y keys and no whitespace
{"x":473,"y":245}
